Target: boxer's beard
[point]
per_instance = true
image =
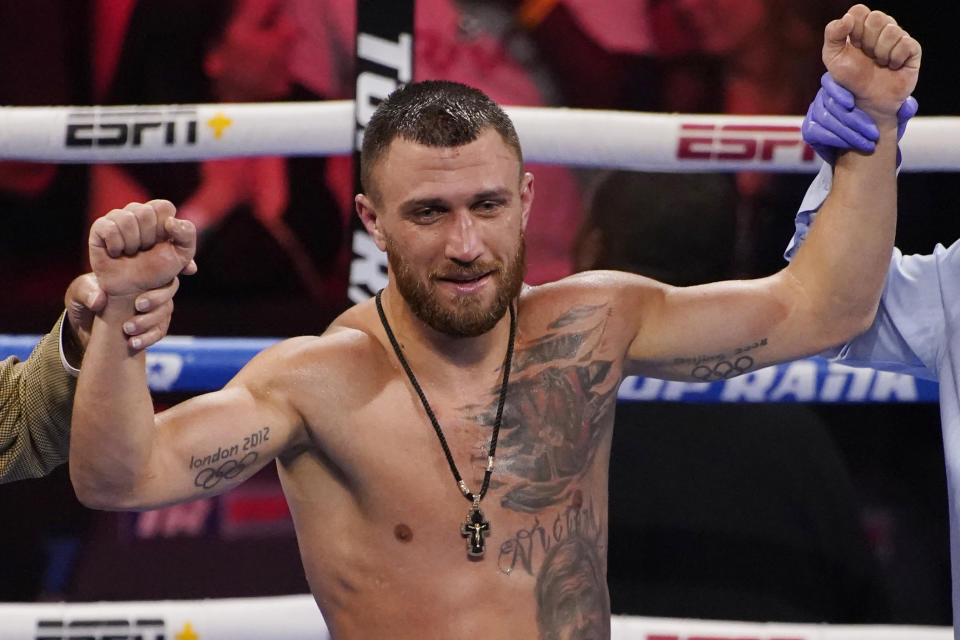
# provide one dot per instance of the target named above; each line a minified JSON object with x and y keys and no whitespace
{"x":466,"y":316}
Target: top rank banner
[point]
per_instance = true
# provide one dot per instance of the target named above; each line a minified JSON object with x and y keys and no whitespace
{"x":384,"y":61}
{"x":185,"y":364}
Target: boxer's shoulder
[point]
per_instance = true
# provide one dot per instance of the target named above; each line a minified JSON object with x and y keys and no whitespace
{"x":581,"y":296}
{"x":317,"y":360}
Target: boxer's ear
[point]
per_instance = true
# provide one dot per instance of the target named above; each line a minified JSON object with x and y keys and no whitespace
{"x":526,"y":196}
{"x":370,"y":219}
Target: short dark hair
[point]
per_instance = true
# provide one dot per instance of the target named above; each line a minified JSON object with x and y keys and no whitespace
{"x":435,"y":113}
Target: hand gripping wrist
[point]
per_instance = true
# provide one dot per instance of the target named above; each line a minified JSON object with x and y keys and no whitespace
{"x":834,"y":123}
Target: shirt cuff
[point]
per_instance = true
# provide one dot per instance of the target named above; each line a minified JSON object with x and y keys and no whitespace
{"x":69,"y":368}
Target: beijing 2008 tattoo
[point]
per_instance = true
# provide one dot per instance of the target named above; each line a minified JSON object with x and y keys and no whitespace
{"x":227,"y":463}
{"x":721,"y":366}
{"x":722,"y":370}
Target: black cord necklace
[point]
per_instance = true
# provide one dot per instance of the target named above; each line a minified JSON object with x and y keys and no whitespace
{"x":474,"y":527}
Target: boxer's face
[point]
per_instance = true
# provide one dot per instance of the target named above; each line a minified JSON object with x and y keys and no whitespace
{"x":451,"y":221}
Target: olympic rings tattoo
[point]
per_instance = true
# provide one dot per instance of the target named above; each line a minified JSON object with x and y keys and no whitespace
{"x":209,"y":478}
{"x":723,"y":370}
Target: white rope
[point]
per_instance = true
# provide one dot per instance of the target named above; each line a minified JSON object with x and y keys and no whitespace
{"x":573,"y":137}
{"x":297,"y":618}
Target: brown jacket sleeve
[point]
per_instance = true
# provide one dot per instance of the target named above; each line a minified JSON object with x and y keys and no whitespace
{"x":36,"y":401}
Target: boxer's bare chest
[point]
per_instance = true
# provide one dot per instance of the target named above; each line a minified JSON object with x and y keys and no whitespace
{"x":544,"y":512}
{"x":549,"y":434}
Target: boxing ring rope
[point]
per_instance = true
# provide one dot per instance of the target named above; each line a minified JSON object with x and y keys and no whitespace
{"x":572,"y":137}
{"x":297,"y":617}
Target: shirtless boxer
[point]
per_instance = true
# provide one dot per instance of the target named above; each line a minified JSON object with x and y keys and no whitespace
{"x":392,"y":544}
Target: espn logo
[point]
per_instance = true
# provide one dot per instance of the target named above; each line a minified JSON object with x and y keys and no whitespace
{"x":739,"y":142}
{"x":109,"y":629}
{"x":125,"y":127}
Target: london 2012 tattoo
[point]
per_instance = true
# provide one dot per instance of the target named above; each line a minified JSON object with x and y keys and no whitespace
{"x":229,"y":462}
{"x":211,"y":476}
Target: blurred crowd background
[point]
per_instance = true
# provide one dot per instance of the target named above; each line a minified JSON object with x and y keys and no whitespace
{"x":760,"y":512}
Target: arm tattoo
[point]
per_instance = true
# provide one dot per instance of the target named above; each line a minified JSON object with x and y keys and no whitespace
{"x":708,"y":368}
{"x":722,"y":370}
{"x":227,"y":463}
{"x":211,"y":476}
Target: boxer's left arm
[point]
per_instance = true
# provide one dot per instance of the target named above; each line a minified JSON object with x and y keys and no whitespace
{"x":896,"y":341}
{"x":834,"y":124}
{"x":830,"y":291}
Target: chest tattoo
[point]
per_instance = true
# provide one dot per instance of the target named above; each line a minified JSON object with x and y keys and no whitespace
{"x":560,"y":407}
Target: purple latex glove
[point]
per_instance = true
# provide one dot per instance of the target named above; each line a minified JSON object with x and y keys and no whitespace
{"x":834,"y":123}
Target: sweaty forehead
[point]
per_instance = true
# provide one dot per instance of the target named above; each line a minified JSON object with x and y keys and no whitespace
{"x":489,"y":141}
{"x":488,"y":159}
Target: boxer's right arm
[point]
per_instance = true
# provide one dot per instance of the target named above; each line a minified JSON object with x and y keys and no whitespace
{"x":122,"y":456}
